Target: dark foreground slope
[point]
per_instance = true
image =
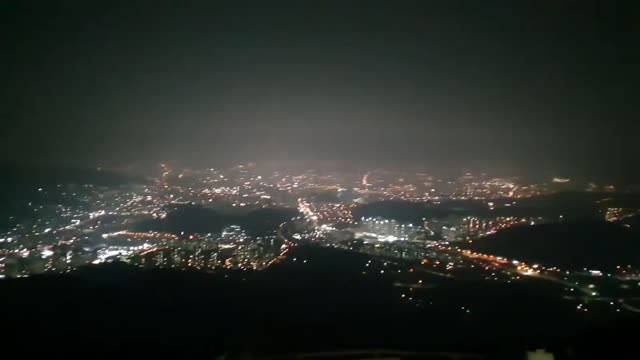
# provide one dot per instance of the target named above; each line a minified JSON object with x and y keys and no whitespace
{"x":322,"y":304}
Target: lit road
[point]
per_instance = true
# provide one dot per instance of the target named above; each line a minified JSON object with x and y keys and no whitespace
{"x":588,"y":293}
{"x":421,"y":269}
{"x":614,"y":300}
{"x":521,"y":269}
{"x":629,"y":307}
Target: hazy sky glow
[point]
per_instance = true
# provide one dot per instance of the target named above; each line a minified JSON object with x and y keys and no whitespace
{"x":542,"y":85}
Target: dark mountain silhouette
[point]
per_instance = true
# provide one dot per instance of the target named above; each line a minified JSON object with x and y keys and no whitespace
{"x":198,"y":219}
{"x":568,"y":245}
{"x":15,"y":175}
{"x":323,"y":304}
{"x":571,"y":205}
{"x":20,"y":186}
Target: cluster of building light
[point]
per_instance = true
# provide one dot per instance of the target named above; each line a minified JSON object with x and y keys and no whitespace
{"x":616,"y":214}
{"x":378,"y":229}
{"x":327,"y":213}
{"x":90,"y":215}
{"x":477,"y":227}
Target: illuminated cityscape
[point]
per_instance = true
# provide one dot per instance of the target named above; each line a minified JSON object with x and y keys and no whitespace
{"x":318,"y":180}
{"x":72,"y":226}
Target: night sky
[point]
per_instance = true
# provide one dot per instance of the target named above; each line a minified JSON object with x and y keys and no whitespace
{"x":534,"y":87}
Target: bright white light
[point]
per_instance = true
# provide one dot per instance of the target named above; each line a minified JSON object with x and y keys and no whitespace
{"x":46,"y":253}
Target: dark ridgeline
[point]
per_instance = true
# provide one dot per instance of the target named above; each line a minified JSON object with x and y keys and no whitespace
{"x":197,"y":219}
{"x":21,"y":185}
{"x":581,"y":240}
{"x":571,"y":205}
{"x":24,"y":176}
{"x":595,"y":245}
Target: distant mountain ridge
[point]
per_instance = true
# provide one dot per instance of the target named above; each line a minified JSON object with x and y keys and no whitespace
{"x":16,"y":175}
{"x":20,"y":186}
